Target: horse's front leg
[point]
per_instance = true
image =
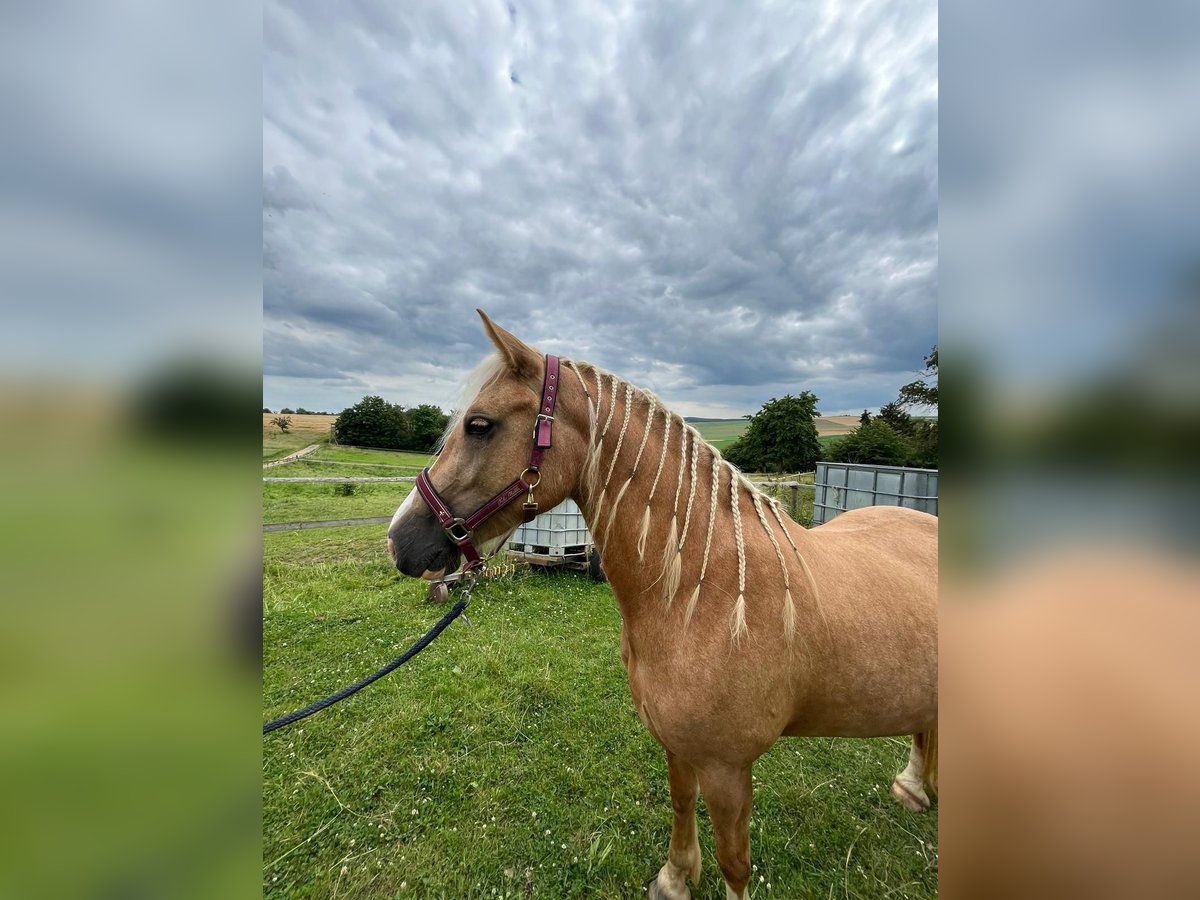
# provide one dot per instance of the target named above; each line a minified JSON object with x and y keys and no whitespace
{"x":727,"y":792}
{"x":683,"y":858}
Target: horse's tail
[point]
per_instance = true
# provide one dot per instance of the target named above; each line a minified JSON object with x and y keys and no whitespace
{"x":927,"y":743}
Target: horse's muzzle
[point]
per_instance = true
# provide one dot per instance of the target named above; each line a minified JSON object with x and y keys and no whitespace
{"x":419,"y":547}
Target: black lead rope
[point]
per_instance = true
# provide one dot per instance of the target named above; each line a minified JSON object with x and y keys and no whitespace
{"x":345,"y":692}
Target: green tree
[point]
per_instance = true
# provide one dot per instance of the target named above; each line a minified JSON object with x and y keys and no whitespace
{"x":924,"y":444}
{"x":895,"y":415}
{"x":781,"y":437}
{"x":864,"y":418}
{"x":373,"y":422}
{"x":921,"y":392}
{"x":876,"y":443}
{"x":426,"y":424}
{"x":283,"y":423}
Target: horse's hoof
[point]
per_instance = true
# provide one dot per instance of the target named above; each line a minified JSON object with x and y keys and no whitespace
{"x":655,"y":892}
{"x":916,"y":800}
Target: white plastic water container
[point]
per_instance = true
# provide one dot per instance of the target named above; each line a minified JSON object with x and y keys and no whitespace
{"x":559,"y":532}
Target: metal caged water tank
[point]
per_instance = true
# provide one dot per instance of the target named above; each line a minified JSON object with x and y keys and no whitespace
{"x":843,"y":486}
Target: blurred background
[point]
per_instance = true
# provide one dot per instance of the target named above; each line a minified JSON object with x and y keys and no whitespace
{"x":129,"y":379}
{"x":130,"y":323}
{"x":1069,"y":321}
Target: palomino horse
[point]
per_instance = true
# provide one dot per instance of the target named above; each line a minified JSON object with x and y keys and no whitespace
{"x":739,"y":626}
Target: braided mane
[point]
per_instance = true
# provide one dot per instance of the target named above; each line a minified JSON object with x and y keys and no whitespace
{"x":641,"y":410}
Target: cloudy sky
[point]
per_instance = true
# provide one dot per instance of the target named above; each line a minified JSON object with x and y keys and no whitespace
{"x":721,"y":202}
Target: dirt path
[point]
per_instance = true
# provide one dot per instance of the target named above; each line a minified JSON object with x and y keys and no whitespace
{"x":292,"y":457}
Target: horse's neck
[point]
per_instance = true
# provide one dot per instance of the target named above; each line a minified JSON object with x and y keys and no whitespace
{"x":646,"y":473}
{"x":659,"y":502}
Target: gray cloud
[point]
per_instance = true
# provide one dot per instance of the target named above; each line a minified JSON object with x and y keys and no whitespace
{"x":722,"y":204}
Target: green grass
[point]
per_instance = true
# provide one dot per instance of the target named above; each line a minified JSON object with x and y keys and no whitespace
{"x":507,"y":759}
{"x":304,"y":467}
{"x":722,"y":433}
{"x":386,"y":457}
{"x":803,"y":511}
{"x":320,"y":503}
{"x":304,"y":430}
{"x":330,"y":461}
{"x":276,"y":445}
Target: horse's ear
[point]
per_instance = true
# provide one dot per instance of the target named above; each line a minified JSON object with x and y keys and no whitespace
{"x":522,"y":359}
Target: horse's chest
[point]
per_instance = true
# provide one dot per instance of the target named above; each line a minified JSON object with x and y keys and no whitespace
{"x":656,"y":694}
{"x":637,"y":683}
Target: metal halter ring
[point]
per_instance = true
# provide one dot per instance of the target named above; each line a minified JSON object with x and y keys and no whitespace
{"x":532,"y":484}
{"x":457,"y":531}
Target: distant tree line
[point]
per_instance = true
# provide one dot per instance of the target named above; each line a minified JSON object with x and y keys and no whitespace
{"x":891,"y":438}
{"x":782,"y":436}
{"x":373,"y":422}
{"x":298,"y":411}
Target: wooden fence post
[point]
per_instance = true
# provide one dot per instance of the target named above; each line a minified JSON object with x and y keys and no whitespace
{"x":795,"y":489}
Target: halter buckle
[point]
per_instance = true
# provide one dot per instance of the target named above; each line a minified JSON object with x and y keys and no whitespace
{"x":457,"y":531}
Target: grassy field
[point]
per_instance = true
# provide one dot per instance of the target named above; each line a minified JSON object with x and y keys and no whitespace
{"x":326,"y":502}
{"x":321,"y":502}
{"x":381,"y":457}
{"x":507,"y":759}
{"x":724,"y":432}
{"x":305,"y":430}
{"x":330,"y":461}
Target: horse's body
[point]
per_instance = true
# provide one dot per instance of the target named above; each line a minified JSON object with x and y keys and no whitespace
{"x":738,"y":625}
{"x":848,"y":674}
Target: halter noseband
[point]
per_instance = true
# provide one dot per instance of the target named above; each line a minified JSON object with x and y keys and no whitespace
{"x":460,"y":530}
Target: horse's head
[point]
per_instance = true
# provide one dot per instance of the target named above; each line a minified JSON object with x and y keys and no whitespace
{"x":486,"y":448}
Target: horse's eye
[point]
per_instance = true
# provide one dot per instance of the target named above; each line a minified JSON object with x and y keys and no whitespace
{"x":478,"y":426}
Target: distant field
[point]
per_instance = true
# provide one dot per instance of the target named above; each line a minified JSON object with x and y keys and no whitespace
{"x":724,"y":432}
{"x":721,"y":433}
{"x":836,"y":424}
{"x":305,"y":430}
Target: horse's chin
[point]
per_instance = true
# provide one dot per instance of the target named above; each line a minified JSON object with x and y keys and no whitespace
{"x":433,"y":576}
